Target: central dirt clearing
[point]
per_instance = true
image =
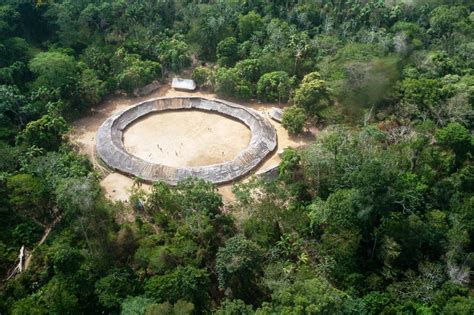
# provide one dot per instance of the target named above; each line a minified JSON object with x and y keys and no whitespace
{"x":118,"y":186}
{"x":186,"y":138}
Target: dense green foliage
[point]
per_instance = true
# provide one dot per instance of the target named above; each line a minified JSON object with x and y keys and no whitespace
{"x":293,"y":119}
{"x":375,"y":217}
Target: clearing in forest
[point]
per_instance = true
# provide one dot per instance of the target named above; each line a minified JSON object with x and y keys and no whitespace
{"x":228,"y":135}
{"x":186,"y":138}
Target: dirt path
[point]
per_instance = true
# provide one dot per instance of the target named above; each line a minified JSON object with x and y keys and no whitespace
{"x":117,"y":187}
{"x":47,"y":230}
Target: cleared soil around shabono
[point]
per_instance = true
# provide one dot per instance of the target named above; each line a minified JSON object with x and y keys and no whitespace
{"x":118,"y":187}
{"x":186,"y":138}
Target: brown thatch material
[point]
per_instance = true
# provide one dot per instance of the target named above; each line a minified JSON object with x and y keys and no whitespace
{"x":111,"y":150}
{"x":147,"y":89}
{"x":276,"y":114}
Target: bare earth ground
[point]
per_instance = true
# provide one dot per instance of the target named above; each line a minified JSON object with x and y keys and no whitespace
{"x":179,"y":132}
{"x":165,"y":138}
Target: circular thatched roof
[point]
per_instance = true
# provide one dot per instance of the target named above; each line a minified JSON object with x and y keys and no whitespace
{"x":111,"y":150}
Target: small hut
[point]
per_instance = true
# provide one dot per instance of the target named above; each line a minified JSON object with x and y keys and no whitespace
{"x":147,"y":89}
{"x":276,"y":114}
{"x":183,"y":84}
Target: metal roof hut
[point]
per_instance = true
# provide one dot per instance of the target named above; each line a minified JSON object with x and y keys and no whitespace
{"x":183,"y":84}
